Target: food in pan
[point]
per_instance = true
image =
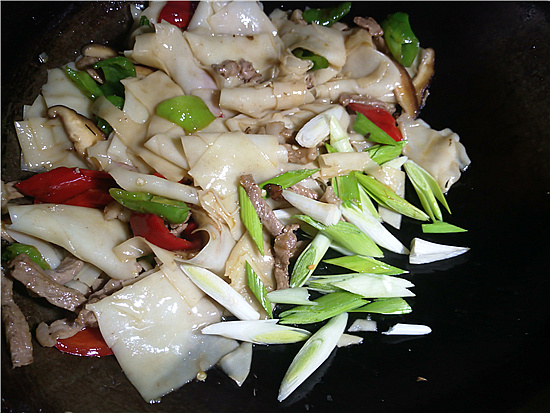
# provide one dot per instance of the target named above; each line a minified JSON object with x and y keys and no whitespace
{"x":192,"y":190}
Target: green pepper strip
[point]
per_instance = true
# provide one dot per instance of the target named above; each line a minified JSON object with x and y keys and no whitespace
{"x":169,"y":209}
{"x":328,"y":16}
{"x":15,"y":249}
{"x":319,"y":62}
{"x":401,"y":41}
{"x":189,"y":112}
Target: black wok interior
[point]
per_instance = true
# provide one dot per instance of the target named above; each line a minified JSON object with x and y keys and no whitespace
{"x":488,"y":309}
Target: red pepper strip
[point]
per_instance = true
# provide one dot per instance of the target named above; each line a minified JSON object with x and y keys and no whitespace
{"x":87,"y":342}
{"x":152,"y":228}
{"x":61,"y":184}
{"x":178,"y":13}
{"x":92,"y":198}
{"x":380,"y":117}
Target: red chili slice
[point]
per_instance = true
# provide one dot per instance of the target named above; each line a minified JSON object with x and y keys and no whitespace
{"x":178,"y":13}
{"x":152,"y":228}
{"x":87,"y":342}
{"x":62,"y":184}
{"x":380,"y":117}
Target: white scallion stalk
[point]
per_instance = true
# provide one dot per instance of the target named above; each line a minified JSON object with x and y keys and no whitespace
{"x":339,"y":139}
{"x":317,"y":129}
{"x":366,"y":203}
{"x":348,"y":340}
{"x":367,"y":223}
{"x":312,"y":354}
{"x":408,"y":330}
{"x":287,"y":215}
{"x":220,"y":291}
{"x":423,"y":252}
{"x":327,"y":214}
{"x":363,"y":324}
{"x":367,"y":285}
{"x":258,"y":331}
{"x":297,"y":296}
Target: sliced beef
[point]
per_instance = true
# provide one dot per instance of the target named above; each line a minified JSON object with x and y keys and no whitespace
{"x":346,"y":98}
{"x":285,"y":238}
{"x":37,"y":281}
{"x":330,"y":197}
{"x":284,"y":247}
{"x":300,"y":155}
{"x":302,"y":190}
{"x":241,"y":69}
{"x":268,"y":218}
{"x":16,"y":327}
{"x":67,"y":270}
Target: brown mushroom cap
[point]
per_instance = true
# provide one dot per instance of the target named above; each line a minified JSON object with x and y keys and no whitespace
{"x":426,"y":70}
{"x":80,"y":130}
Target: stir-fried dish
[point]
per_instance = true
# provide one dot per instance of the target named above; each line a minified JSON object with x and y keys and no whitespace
{"x":192,"y":190}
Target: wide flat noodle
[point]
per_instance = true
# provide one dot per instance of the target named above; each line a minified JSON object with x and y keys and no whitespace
{"x":155,"y":333}
{"x":439,"y":152}
{"x":217,"y":166}
{"x":261,"y":50}
{"x":63,"y":225}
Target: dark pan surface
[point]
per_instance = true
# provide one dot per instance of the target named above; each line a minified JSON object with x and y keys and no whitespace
{"x":489,"y":349}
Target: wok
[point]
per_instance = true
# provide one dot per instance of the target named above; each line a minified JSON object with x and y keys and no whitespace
{"x":488,"y":309}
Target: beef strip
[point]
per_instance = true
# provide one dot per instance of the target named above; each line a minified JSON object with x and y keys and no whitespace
{"x":283,"y":248}
{"x":346,"y":98}
{"x":268,"y":218}
{"x":302,"y":190}
{"x":279,"y":129}
{"x":16,"y":327}
{"x":67,"y":270}
{"x":330,"y":197}
{"x":37,"y":281}
{"x":370,"y":25}
{"x":285,"y":238}
{"x":374,"y":29}
{"x":300,"y":155}
{"x":242,"y":69}
{"x":47,"y":335}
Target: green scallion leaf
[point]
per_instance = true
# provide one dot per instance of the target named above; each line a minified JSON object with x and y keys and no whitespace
{"x":346,"y":235}
{"x":359,"y":263}
{"x":440,"y":227}
{"x":384,"y":153}
{"x":364,"y":126}
{"x":250,"y":219}
{"x":258,"y":289}
{"x":309,"y":259}
{"x":427,"y":189}
{"x":388,"y":198}
{"x":287,"y":179}
{"x":328,"y":306}
{"x":389,"y":306}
